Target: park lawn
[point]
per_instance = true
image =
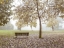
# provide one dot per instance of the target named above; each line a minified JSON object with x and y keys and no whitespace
{"x":31,"y":32}
{"x":7,"y":32}
{"x":11,"y":32}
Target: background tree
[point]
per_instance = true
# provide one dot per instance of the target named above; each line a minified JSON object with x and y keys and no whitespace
{"x":20,"y":24}
{"x":5,"y":11}
{"x":52,"y":23}
{"x":7,"y":26}
{"x":26,"y":15}
{"x":54,"y":8}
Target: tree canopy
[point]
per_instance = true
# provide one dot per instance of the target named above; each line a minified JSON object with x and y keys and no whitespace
{"x":26,"y":14}
{"x":5,"y":11}
{"x":52,"y":23}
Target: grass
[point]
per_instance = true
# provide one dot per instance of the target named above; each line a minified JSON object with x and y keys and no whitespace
{"x":12,"y":32}
{"x":7,"y":32}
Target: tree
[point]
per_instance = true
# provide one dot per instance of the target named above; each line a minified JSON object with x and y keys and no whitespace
{"x":7,"y":26}
{"x":26,"y":15}
{"x":52,"y":23}
{"x":2,"y":1}
{"x":40,"y":32}
{"x":29,"y":13}
{"x":20,"y":24}
{"x":5,"y":11}
{"x":53,"y":12}
{"x":60,"y":5}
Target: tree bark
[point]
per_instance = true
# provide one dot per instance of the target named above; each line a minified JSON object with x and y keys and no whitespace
{"x":19,"y":28}
{"x":40,"y":29}
{"x":40,"y":32}
{"x":52,"y":28}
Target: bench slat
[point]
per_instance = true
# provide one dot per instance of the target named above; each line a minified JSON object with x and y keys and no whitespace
{"x":21,"y":34}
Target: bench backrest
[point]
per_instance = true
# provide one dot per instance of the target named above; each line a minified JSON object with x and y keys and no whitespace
{"x":22,"y":34}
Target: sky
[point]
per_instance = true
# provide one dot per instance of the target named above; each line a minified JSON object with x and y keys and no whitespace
{"x":16,"y":3}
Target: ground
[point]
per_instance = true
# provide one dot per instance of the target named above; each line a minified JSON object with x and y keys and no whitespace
{"x":48,"y":40}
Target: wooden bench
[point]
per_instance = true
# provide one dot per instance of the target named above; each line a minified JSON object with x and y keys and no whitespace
{"x":21,"y":34}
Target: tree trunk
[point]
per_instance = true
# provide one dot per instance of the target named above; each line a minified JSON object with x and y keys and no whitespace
{"x":19,"y":28}
{"x":40,"y":32}
{"x":52,"y":28}
{"x":40,"y":29}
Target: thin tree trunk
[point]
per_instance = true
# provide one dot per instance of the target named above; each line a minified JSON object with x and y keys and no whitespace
{"x":40,"y":32}
{"x":52,"y":28}
{"x":19,"y":28}
{"x":40,"y":29}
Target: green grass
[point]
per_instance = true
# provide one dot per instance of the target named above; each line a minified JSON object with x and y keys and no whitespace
{"x":7,"y":32}
{"x":12,"y":32}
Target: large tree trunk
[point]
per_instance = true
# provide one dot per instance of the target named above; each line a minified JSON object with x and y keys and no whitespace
{"x":40,"y":29}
